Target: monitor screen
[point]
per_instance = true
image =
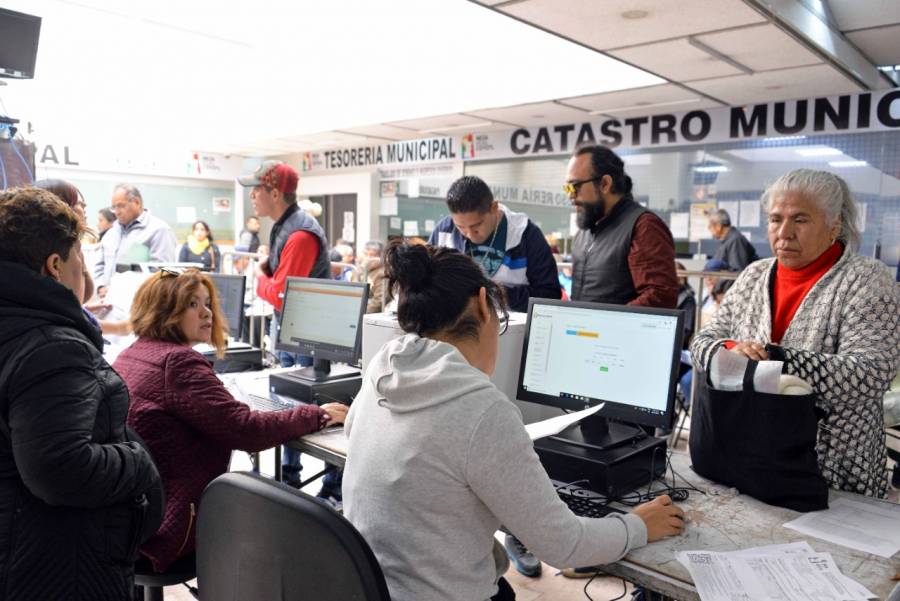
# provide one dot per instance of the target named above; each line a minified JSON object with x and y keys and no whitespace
{"x":578,"y":354}
{"x":323,"y":318}
{"x":19,"y":34}
{"x":231,"y":290}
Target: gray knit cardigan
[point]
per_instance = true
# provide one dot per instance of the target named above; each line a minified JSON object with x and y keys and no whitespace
{"x":843,"y":340}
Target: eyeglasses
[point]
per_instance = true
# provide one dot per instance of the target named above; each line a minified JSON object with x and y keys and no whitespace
{"x":504,"y":323}
{"x":571,"y":188}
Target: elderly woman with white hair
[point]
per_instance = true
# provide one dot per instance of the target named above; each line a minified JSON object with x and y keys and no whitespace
{"x":830,"y":314}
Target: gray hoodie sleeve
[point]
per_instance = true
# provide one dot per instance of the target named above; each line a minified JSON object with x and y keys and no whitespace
{"x":506,"y":474}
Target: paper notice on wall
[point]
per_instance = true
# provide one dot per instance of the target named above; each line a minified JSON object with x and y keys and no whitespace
{"x":412,"y":189}
{"x":429,"y":225}
{"x":679,"y":223}
{"x":861,"y":221}
{"x":749,"y":214}
{"x":732,"y":207}
{"x":348,"y":218}
{"x":700,"y":220}
{"x":185,"y":214}
{"x":410,"y":228}
{"x":221,"y":204}
{"x":396,"y":223}
{"x":388,"y":206}
{"x":348,"y":233}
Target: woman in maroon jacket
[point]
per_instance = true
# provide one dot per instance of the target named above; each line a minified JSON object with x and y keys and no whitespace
{"x":187,"y":417}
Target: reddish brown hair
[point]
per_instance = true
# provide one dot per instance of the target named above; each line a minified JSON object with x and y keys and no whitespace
{"x":161,"y":301}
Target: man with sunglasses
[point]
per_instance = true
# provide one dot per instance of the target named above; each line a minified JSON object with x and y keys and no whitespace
{"x":623,"y":253}
{"x":509,"y":247}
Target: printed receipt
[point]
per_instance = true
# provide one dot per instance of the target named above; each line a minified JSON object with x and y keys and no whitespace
{"x":791,"y":572}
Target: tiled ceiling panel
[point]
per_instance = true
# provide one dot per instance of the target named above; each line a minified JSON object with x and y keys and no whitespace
{"x":761,"y":48}
{"x":817,"y":80}
{"x":881,"y":45}
{"x":615,"y":23}
{"x":527,"y":115}
{"x":676,"y":60}
{"x":666,"y":98}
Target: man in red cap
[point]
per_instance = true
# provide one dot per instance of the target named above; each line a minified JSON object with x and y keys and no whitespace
{"x":297,"y":248}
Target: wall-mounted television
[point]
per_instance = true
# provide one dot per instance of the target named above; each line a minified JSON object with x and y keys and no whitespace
{"x":19,"y":35}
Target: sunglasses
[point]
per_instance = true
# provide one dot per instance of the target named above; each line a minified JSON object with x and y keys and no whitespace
{"x":504,"y":323}
{"x":166,"y":272}
{"x":571,"y":188}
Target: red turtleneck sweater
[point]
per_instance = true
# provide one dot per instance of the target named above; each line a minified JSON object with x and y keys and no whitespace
{"x":792,"y":286}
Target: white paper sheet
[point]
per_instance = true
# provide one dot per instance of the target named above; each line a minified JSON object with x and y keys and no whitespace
{"x":410,"y":228}
{"x":749,"y":214}
{"x":388,"y":206}
{"x":727,"y":372}
{"x":679,"y":223}
{"x":777,"y":573}
{"x":871,"y":528}
{"x":555,"y":425}
{"x":396,"y":223}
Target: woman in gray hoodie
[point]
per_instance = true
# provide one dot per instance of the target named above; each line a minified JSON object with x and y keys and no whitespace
{"x":438,"y":458}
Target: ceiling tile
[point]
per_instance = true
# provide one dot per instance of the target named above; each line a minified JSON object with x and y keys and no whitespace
{"x":382,"y":131}
{"x":881,"y":45}
{"x":676,"y":60}
{"x":859,"y":14}
{"x":799,"y":82}
{"x":652,"y":100}
{"x":536,"y":114}
{"x":601,"y":25}
{"x":456,"y":120}
{"x":761,"y":47}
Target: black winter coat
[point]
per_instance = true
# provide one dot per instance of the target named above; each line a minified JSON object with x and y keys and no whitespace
{"x":72,"y":480}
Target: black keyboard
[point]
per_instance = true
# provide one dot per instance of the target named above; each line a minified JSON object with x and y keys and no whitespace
{"x":586,"y":506}
{"x":261,"y":403}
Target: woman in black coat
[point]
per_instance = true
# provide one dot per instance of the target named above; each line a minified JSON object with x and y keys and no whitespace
{"x":78,"y":492}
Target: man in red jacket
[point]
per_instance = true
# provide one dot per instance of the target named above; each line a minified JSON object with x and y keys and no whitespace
{"x":297,"y":248}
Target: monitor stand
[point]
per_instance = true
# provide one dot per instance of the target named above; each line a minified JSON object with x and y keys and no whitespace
{"x":597,"y":432}
{"x":322,"y":371}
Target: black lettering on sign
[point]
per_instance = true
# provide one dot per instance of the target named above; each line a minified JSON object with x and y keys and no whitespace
{"x":514,"y":143}
{"x":379,"y":155}
{"x":368,"y":159}
{"x":542,"y":142}
{"x":687,"y":129}
{"x":345,"y":156}
{"x":863,"y":108}
{"x":757,"y":119}
{"x":800,"y":111}
{"x":353,"y":157}
{"x":662,"y":124}
{"x":883,"y":112}
{"x":635,"y":124}
{"x":392,"y":153}
{"x":49,"y":155}
{"x":610,"y":129}
{"x":840,"y":118}
{"x":585,"y":136}
{"x":563,"y":131}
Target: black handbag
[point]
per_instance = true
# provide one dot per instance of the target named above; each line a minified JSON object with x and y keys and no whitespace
{"x":762,"y":444}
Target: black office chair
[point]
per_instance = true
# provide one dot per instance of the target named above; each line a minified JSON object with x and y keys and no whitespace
{"x":179,"y":572}
{"x":260,"y":539}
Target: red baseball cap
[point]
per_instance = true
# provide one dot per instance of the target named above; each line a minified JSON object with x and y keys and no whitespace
{"x":273,"y":174}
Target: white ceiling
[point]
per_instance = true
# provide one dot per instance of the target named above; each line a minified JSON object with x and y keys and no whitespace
{"x":273,"y":78}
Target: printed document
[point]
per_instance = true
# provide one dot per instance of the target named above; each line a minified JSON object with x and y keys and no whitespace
{"x":873,"y":528}
{"x":555,"y":425}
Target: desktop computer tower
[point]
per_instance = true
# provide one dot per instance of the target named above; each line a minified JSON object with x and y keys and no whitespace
{"x":613,"y":472}
{"x":342,"y":390}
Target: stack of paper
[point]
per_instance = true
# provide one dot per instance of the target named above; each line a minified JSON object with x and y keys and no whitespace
{"x":790,"y":572}
{"x":869,"y":527}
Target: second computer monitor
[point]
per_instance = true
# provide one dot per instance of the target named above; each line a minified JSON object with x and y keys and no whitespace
{"x":323,"y":319}
{"x":231,"y":290}
{"x":578,"y":354}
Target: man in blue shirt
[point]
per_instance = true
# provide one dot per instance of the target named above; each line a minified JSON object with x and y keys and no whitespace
{"x":509,"y":246}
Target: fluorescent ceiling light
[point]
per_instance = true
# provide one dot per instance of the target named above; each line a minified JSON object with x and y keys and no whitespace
{"x":472,"y":125}
{"x":848,"y":163}
{"x":784,"y":138}
{"x":711,"y":169}
{"x":820,"y":151}
{"x":637,"y":107}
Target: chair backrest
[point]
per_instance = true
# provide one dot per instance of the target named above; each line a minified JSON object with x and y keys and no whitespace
{"x":259,"y":539}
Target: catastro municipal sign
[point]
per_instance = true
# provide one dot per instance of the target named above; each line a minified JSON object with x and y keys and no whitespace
{"x":869,"y":111}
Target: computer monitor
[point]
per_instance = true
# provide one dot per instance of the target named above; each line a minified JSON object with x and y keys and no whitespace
{"x":323,"y":319}
{"x":577,"y":355}
{"x":231,"y":290}
{"x":19,"y":36}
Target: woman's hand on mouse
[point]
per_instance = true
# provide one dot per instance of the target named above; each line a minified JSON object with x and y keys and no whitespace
{"x":335,"y":413}
{"x":662,"y":517}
